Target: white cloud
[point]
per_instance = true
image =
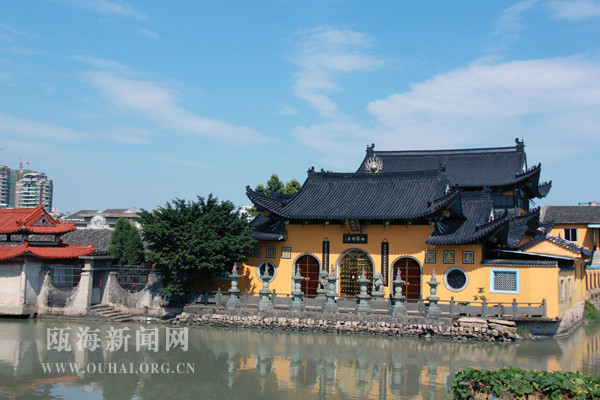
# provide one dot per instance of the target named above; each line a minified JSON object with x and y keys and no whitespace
{"x":287,"y":110}
{"x":574,"y":9}
{"x":17,"y":127}
{"x":102,"y":63}
{"x":156,"y":102}
{"x":148,"y":33}
{"x":509,"y":27}
{"x":322,"y":54}
{"x":108,"y":7}
{"x":539,"y":98}
{"x":552,"y":103}
{"x":180,"y":161}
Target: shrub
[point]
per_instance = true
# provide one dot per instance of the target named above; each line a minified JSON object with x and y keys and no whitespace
{"x":519,"y":383}
{"x":590,"y":312}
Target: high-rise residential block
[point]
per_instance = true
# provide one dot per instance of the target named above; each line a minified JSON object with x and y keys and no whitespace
{"x":34,"y":189}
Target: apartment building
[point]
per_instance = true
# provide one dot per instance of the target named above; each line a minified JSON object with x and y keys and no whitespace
{"x":34,"y":189}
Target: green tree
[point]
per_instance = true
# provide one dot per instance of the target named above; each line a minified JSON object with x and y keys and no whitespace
{"x":126,"y":244}
{"x":292,"y":187}
{"x":275,"y":186}
{"x":194,"y":241}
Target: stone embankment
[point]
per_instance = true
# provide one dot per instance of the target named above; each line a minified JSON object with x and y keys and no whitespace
{"x":465,"y":328}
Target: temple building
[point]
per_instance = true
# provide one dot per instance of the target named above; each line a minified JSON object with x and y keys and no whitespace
{"x":30,"y":242}
{"x":464,"y":215}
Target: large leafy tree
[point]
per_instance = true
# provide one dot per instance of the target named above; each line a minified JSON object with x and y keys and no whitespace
{"x":192,"y":241}
{"x":126,"y":244}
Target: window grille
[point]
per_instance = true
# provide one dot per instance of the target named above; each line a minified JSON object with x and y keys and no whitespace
{"x":504,"y":281}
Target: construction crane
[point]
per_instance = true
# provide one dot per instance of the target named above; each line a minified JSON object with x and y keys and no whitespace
{"x":21,"y":163}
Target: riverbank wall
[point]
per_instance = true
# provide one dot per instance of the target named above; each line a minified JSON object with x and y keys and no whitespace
{"x":465,"y":328}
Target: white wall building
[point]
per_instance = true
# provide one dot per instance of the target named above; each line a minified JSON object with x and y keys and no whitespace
{"x":34,"y":189}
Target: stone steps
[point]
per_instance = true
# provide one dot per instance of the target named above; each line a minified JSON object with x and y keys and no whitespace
{"x":107,"y":312}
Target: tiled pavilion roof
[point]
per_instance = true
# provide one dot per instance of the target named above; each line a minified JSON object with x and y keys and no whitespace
{"x":327,"y":196}
{"x":494,"y":167}
{"x":8,"y":251}
{"x":571,"y":214}
{"x":31,"y":220}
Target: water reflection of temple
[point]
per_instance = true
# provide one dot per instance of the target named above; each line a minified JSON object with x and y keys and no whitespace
{"x":233,"y":363}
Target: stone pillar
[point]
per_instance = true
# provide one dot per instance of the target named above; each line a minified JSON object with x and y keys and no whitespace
{"x":330,"y":306}
{"x":433,"y":310}
{"x":234,"y":293}
{"x":362,"y":305}
{"x":265,"y":304}
{"x":298,"y":304}
{"x":83,"y":297}
{"x":398,"y":309}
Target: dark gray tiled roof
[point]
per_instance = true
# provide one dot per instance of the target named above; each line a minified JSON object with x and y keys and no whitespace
{"x":267,"y":229}
{"x":383,"y":197}
{"x":559,"y":241}
{"x":476,"y":207}
{"x":571,"y":214}
{"x":496,"y":167}
{"x":83,"y":214}
{"x":519,"y":263}
{"x":99,"y":237}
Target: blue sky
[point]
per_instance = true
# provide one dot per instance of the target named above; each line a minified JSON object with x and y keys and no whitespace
{"x":133,"y":103}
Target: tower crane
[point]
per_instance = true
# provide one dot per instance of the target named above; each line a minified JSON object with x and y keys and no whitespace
{"x":21,"y":163}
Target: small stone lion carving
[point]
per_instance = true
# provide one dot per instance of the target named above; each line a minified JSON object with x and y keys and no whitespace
{"x":323,"y":279}
{"x":377,"y":282}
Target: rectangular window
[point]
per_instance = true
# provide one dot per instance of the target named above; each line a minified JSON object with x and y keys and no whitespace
{"x":571,"y":234}
{"x":504,"y":281}
{"x":561,"y":290}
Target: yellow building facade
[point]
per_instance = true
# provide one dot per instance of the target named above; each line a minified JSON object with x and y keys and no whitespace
{"x":466,"y":219}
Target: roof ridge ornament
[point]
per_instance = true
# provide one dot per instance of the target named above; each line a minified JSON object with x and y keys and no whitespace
{"x":520,"y":144}
{"x":373,"y":164}
{"x":311,"y":171}
{"x":370,"y":149}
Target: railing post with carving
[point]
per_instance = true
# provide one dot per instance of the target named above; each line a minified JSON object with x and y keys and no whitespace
{"x":398,"y":309}
{"x":234,"y":292}
{"x":330,"y":306}
{"x":544,"y":308}
{"x":362,"y":305}
{"x":433,"y":310}
{"x":515,"y":311}
{"x":265,"y":304}
{"x":298,"y":304}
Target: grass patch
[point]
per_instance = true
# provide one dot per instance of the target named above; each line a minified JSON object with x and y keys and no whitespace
{"x":591,"y":313}
{"x":523,"y":331}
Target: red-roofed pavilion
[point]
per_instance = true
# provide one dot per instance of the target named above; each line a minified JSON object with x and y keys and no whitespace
{"x":30,"y":240}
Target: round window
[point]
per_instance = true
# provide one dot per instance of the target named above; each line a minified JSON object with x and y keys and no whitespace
{"x":264,"y":268}
{"x":456,"y":279}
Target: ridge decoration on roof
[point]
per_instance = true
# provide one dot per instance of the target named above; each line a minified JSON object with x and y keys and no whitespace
{"x":8,"y":251}
{"x":494,"y":167}
{"x":341,"y":196}
{"x":31,"y":220}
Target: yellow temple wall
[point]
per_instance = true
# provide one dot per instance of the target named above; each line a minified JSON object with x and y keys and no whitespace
{"x":535,"y":283}
{"x":585,"y":235}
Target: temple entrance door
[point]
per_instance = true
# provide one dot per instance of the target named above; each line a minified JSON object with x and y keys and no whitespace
{"x":309,"y":269}
{"x":410,"y":271}
{"x":351,"y":266}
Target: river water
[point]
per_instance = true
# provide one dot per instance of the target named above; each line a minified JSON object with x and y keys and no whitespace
{"x":60,"y":359}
